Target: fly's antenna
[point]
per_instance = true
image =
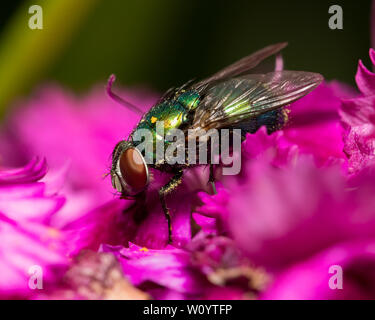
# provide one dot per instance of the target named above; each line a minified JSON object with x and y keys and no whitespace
{"x":118,"y":99}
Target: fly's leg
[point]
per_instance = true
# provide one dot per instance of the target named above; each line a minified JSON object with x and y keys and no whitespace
{"x":211,"y":179}
{"x":169,"y":187}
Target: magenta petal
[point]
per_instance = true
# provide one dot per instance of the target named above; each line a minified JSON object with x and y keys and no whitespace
{"x":319,"y":106}
{"x":309,"y":140}
{"x":359,"y":146}
{"x":24,"y":246}
{"x":315,"y":118}
{"x":168,"y":268}
{"x":365,"y":79}
{"x":33,"y":171}
{"x":36,"y":208}
{"x":358,"y":118}
{"x":212,"y":215}
{"x":26,"y":239}
{"x":282,"y":216}
{"x":259,"y":143}
{"x":358,"y":111}
{"x":271,"y":148}
{"x":207,"y":224}
{"x":310,"y":279}
{"x":220,"y":293}
{"x":106,"y":224}
{"x":185,"y":273}
{"x":19,"y":191}
{"x":23,"y":200}
{"x":372,"y":55}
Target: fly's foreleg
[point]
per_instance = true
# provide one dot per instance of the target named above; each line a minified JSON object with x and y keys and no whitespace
{"x":169,"y":187}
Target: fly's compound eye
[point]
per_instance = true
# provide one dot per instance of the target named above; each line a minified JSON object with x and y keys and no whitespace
{"x":131,"y":172}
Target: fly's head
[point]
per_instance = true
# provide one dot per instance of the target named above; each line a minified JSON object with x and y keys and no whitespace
{"x":129,"y":170}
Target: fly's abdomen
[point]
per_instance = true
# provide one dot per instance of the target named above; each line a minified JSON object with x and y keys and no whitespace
{"x":272,"y":120}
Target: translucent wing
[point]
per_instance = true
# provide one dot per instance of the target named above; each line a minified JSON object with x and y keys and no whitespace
{"x":242,"y":66}
{"x":240,"y":99}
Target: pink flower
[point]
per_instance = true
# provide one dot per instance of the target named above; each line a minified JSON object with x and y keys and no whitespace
{"x":208,"y":268}
{"x":358,"y":117}
{"x":314,"y":278}
{"x":289,"y":219}
{"x":291,"y":213}
{"x":315,"y":118}
{"x":26,"y":238}
{"x":34,"y":261}
{"x":286,"y":209}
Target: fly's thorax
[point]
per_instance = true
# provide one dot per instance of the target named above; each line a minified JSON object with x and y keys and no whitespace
{"x":173,"y":114}
{"x":157,"y":126}
{"x":189,"y":99}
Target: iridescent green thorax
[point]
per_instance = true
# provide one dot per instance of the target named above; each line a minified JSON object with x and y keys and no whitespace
{"x":174,"y":113}
{"x":189,"y":99}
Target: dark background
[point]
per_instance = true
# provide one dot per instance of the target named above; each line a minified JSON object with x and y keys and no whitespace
{"x":166,"y":42}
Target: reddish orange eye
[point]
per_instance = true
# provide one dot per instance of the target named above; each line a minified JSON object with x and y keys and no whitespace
{"x":133,"y":170}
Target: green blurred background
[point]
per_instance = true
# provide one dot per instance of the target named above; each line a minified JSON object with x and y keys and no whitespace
{"x":160,"y":43}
